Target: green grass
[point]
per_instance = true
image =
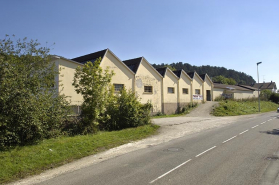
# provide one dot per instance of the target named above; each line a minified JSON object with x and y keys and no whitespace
{"x":187,"y":110}
{"x":234,"y":108}
{"x":20,"y":162}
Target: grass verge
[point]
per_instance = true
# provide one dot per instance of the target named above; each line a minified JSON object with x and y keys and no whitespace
{"x":185,"y":110}
{"x":24,"y":161}
{"x":234,"y":108}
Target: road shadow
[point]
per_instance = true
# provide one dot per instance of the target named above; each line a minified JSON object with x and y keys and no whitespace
{"x":273,"y":132}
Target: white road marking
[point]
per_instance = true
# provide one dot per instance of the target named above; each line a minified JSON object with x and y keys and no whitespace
{"x":205,"y":151}
{"x":229,"y":139}
{"x":243,"y":132}
{"x":255,"y":126}
{"x":170,"y":171}
{"x":263,"y":122}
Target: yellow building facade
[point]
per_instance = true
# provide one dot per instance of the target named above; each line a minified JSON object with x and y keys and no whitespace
{"x":148,"y":82}
{"x":166,"y":90}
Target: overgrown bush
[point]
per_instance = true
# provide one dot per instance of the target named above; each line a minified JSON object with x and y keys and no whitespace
{"x":30,"y":106}
{"x":265,"y":95}
{"x":93,"y":83}
{"x":125,"y":111}
{"x":188,"y":107}
{"x":274,"y":97}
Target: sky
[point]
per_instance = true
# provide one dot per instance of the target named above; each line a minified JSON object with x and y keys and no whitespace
{"x":235,"y":34}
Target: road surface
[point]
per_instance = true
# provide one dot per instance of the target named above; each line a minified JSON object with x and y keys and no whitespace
{"x":243,"y":152}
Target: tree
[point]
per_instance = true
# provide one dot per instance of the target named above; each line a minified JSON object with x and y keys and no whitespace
{"x":230,"y":81}
{"x":223,"y":80}
{"x":125,"y":111}
{"x":93,"y":83}
{"x":30,"y":106}
{"x":219,"y":79}
{"x":170,"y":67}
{"x":265,"y":94}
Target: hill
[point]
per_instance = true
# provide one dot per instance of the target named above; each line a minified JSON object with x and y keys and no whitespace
{"x":212,"y":71}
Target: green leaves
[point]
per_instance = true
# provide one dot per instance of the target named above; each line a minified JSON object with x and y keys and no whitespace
{"x":93,"y":83}
{"x":29,"y":102}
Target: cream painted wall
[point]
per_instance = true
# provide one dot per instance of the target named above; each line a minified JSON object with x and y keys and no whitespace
{"x":170,"y":81}
{"x":237,"y":94}
{"x":244,"y":94}
{"x":217,"y":93}
{"x":123,"y":75}
{"x":147,"y":76}
{"x":207,"y":85}
{"x":255,"y":93}
{"x":66,"y":77}
{"x":197,"y":84}
{"x":184,"y":82}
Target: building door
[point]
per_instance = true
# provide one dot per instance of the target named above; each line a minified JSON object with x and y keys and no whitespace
{"x":208,"y":95}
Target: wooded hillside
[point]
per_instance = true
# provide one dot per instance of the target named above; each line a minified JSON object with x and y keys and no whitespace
{"x":212,"y":71}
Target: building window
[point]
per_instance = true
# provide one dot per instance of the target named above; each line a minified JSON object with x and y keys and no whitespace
{"x":148,"y":89}
{"x":118,"y":87}
{"x":197,"y":91}
{"x":171,"y":90}
{"x":184,"y":90}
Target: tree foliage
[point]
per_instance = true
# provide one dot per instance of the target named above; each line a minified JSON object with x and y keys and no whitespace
{"x":30,"y":106}
{"x":170,"y":67}
{"x":265,"y":94}
{"x":223,"y":80}
{"x":125,"y":110}
{"x":212,"y":71}
{"x":274,"y":97}
{"x":93,"y":83}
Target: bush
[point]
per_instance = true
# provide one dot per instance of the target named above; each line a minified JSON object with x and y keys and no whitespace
{"x":274,"y":97}
{"x":30,"y":106}
{"x":125,"y":111}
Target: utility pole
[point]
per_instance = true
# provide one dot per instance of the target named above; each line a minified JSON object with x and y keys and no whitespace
{"x":259,"y":86}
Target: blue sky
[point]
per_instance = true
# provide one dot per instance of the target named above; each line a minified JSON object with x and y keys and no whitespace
{"x":235,"y":34}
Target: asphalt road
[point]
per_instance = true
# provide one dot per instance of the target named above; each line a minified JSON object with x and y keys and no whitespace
{"x":244,"y":152}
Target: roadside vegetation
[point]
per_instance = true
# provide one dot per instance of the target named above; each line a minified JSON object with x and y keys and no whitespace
{"x":22,"y":161}
{"x":182,"y":111}
{"x":234,"y":108}
{"x":269,"y":102}
{"x":36,"y":131}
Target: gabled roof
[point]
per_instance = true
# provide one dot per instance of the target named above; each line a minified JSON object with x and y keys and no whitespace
{"x":248,"y":87}
{"x":133,"y":64}
{"x":60,"y":57}
{"x":90,"y":57}
{"x":93,"y":56}
{"x":268,"y":85}
{"x":203,"y":76}
{"x":162,"y":71}
{"x":230,"y":87}
{"x":191,"y":74}
{"x":178,"y":73}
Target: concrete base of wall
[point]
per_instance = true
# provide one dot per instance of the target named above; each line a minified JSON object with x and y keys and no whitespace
{"x":170,"y":108}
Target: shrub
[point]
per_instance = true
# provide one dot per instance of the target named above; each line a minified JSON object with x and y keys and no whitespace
{"x":125,"y":111}
{"x":93,"y":83}
{"x":30,"y":106}
{"x":274,"y":97}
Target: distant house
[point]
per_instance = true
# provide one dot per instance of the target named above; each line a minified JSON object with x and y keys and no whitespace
{"x":267,"y":85}
{"x":148,"y":82}
{"x":233,"y":91}
{"x":170,"y":101}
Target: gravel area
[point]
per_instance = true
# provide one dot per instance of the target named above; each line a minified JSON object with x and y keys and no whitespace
{"x":171,"y":128}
